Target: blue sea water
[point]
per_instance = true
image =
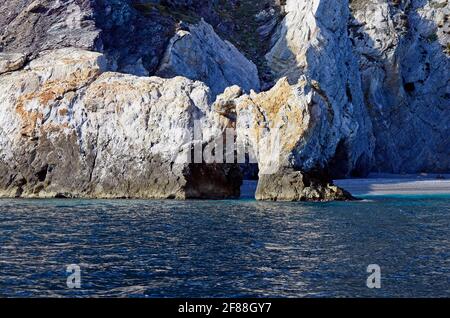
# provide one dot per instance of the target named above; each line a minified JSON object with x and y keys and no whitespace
{"x":225,"y":248}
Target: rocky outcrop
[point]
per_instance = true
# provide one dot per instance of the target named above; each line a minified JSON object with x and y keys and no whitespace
{"x":69,"y":129}
{"x":314,"y":52}
{"x":290,"y":185}
{"x":198,"y":53}
{"x":291,"y":130}
{"x":314,"y":119}
{"x":319,"y":107}
{"x":349,"y":87}
{"x":405,"y":75}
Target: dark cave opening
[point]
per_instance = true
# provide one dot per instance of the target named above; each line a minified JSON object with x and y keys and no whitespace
{"x":409,"y":87}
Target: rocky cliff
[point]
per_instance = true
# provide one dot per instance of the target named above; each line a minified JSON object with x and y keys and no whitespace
{"x":105,"y":98}
{"x":403,"y":49}
{"x":70,"y":129}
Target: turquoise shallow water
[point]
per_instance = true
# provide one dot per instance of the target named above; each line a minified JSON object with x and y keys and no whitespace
{"x":226,"y":248}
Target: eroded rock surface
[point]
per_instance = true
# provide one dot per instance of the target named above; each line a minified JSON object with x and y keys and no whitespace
{"x":314,"y":119}
{"x":198,"y":53}
{"x":70,"y":129}
{"x":11,"y":62}
{"x":292,"y":131}
{"x":314,"y":52}
{"x":290,"y":185}
{"x":349,"y":87}
{"x":404,"y":61}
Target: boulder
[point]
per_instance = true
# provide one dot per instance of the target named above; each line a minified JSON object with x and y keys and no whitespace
{"x":290,"y":185}
{"x":11,"y":62}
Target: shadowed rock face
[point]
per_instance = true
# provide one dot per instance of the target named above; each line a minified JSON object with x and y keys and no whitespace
{"x":132,"y":34}
{"x":313,"y":49}
{"x":404,"y":61}
{"x":30,"y":26}
{"x":399,"y":94}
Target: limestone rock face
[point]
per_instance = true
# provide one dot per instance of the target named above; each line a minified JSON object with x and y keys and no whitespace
{"x":404,"y":60}
{"x":314,"y":121}
{"x":198,"y":53}
{"x":314,"y":52}
{"x":391,"y":59}
{"x":70,"y":129}
{"x":292,"y":132}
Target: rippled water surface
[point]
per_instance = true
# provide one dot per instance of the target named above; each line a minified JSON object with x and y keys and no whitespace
{"x":225,"y":248}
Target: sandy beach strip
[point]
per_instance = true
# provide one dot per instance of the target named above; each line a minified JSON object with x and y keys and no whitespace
{"x":387,"y":184}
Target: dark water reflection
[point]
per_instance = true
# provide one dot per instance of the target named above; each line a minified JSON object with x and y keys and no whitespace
{"x":225,"y":248}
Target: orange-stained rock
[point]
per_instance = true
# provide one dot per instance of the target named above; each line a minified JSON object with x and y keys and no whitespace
{"x":70,"y":129}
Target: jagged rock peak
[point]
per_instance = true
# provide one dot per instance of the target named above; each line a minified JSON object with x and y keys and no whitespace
{"x":197,"y":52}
